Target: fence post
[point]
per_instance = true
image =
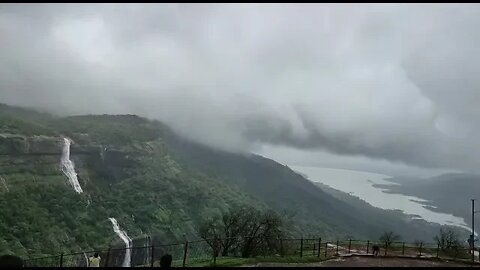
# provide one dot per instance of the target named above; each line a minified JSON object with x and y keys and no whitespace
{"x":301,"y":247}
{"x":421,"y":244}
{"x":152,"y":255}
{"x":107,"y":257}
{"x":326,"y":249}
{"x":349,"y":245}
{"x":314,"y":249}
{"x":385,"y":253}
{"x":337,"y":247}
{"x":281,"y":247}
{"x":438,"y":249}
{"x":185,"y":250}
{"x":368,"y":245}
{"x":403,"y":248}
{"x":319,"y":245}
{"x":61,"y":260}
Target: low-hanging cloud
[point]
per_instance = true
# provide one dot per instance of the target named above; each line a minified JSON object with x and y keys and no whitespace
{"x":391,"y":82}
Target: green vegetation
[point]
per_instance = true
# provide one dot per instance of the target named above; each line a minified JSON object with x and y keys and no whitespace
{"x":236,"y":261}
{"x":152,"y":181}
{"x":246,"y":231}
{"x":136,"y":181}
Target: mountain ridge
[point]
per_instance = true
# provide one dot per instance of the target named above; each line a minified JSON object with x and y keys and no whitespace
{"x":154,"y":182}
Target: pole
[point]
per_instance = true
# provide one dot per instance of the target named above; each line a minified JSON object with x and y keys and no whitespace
{"x":349,"y":245}
{"x":153,"y":256}
{"x":319,"y":246}
{"x":185,"y":254}
{"x":368,"y":245}
{"x":107,"y":257}
{"x":403,"y":248}
{"x":301,"y":247}
{"x":473,"y":231}
{"x":281,"y":247}
{"x":326,"y":249}
{"x":61,"y":260}
{"x":438,"y":249}
{"x":337,"y":247}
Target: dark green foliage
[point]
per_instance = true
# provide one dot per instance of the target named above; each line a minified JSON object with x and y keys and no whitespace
{"x":135,"y":181}
{"x":151,"y":181}
{"x":107,"y":129}
{"x":244,"y":230}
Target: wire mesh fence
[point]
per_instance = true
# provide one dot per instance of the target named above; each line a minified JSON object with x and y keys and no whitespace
{"x":51,"y":261}
{"x":201,"y":252}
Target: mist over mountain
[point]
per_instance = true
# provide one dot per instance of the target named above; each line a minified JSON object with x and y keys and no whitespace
{"x":154,"y":182}
{"x":152,"y":118}
{"x":393,"y":83}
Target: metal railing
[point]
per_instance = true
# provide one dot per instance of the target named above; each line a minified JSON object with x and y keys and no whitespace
{"x":197,"y":253}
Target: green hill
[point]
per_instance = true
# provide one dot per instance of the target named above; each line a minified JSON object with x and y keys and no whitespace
{"x":153,"y":182}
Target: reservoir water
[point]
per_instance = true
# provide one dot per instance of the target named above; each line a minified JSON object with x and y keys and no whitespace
{"x":360,"y":184}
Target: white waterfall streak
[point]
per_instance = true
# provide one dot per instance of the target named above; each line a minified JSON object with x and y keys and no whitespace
{"x":68,"y":168}
{"x":128,"y":242}
{"x":86,"y":259}
{"x":4,"y":183}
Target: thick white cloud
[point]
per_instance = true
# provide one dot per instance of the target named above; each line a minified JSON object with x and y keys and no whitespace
{"x":389,"y":82}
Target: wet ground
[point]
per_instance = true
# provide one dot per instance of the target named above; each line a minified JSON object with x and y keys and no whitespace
{"x":368,"y":261}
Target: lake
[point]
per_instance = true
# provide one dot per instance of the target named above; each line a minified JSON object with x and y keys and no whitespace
{"x":360,"y":184}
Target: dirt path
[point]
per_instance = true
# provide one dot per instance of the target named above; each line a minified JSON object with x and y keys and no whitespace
{"x":367,"y":261}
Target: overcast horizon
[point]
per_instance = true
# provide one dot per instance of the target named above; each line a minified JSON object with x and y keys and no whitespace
{"x":388,"y":88}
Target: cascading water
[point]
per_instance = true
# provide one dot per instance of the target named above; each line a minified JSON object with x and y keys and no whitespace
{"x":68,"y":168}
{"x":128,"y":242}
{"x":87,"y":262}
{"x":4,"y":183}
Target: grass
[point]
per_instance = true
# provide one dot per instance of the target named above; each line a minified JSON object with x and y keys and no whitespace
{"x":235,"y":261}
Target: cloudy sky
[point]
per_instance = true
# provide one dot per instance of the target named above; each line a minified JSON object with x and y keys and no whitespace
{"x":384,"y":87}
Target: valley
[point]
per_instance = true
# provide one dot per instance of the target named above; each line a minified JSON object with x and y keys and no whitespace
{"x":153,"y":182}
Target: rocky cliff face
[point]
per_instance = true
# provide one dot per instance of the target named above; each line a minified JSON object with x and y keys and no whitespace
{"x":17,"y":144}
{"x":129,"y":178}
{"x":149,"y":179}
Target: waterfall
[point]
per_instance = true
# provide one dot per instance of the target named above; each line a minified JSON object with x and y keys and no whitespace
{"x":128,"y":242}
{"x":68,"y":167}
{"x":102,"y":152}
{"x":86,"y":259}
{"x":4,"y":183}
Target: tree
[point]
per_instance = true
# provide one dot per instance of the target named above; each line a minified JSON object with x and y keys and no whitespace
{"x":232,"y":227}
{"x":272,"y":230}
{"x":447,"y":239}
{"x":245,"y":229}
{"x":387,"y":238}
{"x":418,"y":246}
{"x":210,"y":231}
{"x":260,"y":232}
